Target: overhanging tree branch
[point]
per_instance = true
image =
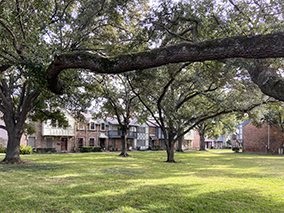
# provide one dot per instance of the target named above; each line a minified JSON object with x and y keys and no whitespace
{"x":259,"y":46}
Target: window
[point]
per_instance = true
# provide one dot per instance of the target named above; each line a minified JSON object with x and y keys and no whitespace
{"x":80,"y":126}
{"x":80,"y":142}
{"x":32,"y":142}
{"x":48,"y":142}
{"x":141,"y":143}
{"x":31,"y":121}
{"x":92,"y":142}
{"x":103,"y":126}
{"x":92,"y":125}
{"x":141,"y":129}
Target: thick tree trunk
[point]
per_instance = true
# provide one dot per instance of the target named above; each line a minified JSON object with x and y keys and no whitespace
{"x":170,"y":152}
{"x":13,"y":147}
{"x":202,"y":140}
{"x":179,"y":145}
{"x":124,"y":145}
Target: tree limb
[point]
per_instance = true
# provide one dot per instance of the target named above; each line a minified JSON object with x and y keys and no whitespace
{"x":4,"y":67}
{"x":259,"y":46}
{"x":15,"y":42}
{"x":20,"y":19}
{"x":267,"y":79}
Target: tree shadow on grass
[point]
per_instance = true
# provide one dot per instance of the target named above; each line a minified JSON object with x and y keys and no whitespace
{"x":156,"y":198}
{"x":36,"y":167}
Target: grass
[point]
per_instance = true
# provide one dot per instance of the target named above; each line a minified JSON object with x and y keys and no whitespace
{"x":101,"y":182}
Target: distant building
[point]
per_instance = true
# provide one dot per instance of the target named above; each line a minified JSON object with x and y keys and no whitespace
{"x":267,"y":139}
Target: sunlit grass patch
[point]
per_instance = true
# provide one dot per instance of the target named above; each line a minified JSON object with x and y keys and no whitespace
{"x":102,"y":182}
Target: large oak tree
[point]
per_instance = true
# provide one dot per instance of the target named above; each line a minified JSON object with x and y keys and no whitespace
{"x":43,"y":40}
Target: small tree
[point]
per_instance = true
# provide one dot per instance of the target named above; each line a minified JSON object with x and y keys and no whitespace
{"x":119,"y":102}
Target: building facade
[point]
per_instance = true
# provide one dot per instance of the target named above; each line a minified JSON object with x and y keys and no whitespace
{"x":267,"y":139}
{"x":48,"y":135}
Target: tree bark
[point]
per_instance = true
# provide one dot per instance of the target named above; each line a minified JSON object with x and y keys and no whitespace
{"x":258,"y":46}
{"x":179,"y":145}
{"x":202,"y":139}
{"x":267,"y":79}
{"x":124,"y":145}
{"x":13,"y":146}
{"x":170,"y":152}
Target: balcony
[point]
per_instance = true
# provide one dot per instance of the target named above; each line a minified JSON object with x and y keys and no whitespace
{"x":132,"y":134}
{"x":118,"y":133}
{"x":58,"y":132}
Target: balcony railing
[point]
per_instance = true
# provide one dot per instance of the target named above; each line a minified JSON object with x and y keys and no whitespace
{"x":118,"y":133}
{"x":132,"y":134}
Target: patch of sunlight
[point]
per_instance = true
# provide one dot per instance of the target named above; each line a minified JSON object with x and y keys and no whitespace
{"x":126,"y":209}
{"x":28,"y":197}
{"x":103,"y":193}
{"x":66,"y":176}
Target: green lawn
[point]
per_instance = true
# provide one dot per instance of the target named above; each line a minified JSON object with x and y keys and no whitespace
{"x":101,"y":182}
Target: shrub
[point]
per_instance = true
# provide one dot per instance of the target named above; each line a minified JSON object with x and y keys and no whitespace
{"x":97,"y":149}
{"x":45,"y":149}
{"x":224,"y":147}
{"x":157,"y":147}
{"x":236,"y":149}
{"x":86,"y":148}
{"x":138,"y":147}
{"x":3,"y":149}
{"x":25,"y":150}
{"x":91,"y":149}
{"x":212,"y":147}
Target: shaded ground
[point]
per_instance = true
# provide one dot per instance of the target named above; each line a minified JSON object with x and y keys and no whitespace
{"x":102,"y":182}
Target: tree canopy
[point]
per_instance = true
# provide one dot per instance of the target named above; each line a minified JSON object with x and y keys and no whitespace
{"x":52,"y":44}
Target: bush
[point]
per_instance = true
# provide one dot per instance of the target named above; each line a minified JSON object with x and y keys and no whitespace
{"x":212,"y":147}
{"x":86,"y":148}
{"x":224,"y":147}
{"x":25,"y":150}
{"x":97,"y":149}
{"x":45,"y":149}
{"x":236,"y":149}
{"x":91,"y":149}
{"x":157,"y":147}
{"x":3,"y":149}
{"x":138,"y":147}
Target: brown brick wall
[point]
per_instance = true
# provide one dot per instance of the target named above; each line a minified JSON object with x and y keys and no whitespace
{"x":72,"y":142}
{"x":40,"y":141}
{"x":256,"y":139}
{"x":87,"y":134}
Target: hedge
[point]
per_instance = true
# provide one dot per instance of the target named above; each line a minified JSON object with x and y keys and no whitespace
{"x":91,"y":149}
{"x":45,"y":149}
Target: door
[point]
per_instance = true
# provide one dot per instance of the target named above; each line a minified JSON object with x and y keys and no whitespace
{"x":63,"y":144}
{"x":102,"y":142}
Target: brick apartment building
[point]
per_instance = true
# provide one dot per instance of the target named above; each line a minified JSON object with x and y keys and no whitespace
{"x":267,"y":139}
